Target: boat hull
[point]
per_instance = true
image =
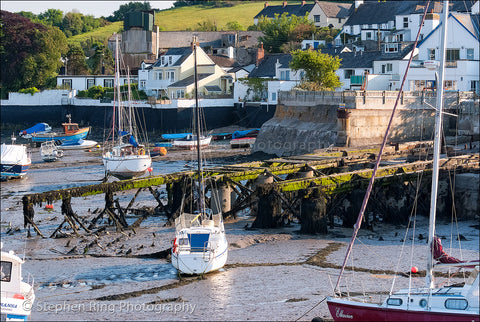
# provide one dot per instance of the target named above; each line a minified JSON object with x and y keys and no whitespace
{"x":345,"y":310}
{"x":14,"y":170}
{"x":127,"y":167}
{"x":65,"y":138}
{"x":191,"y":144}
{"x":199,"y":263}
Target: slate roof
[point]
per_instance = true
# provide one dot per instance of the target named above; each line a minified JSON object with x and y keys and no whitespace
{"x":223,"y":61}
{"x":189,"y":80}
{"x":173,"y":39}
{"x":469,"y":22}
{"x":354,"y":59}
{"x":336,"y":9}
{"x":375,"y":12}
{"x":184,"y":52}
{"x":266,"y":68}
{"x":380,"y":12}
{"x":292,"y":9}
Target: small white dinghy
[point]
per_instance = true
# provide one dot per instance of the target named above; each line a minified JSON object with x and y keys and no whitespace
{"x":50,"y":152}
{"x":17,"y":296}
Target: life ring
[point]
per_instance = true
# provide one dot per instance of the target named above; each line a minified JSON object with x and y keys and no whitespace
{"x":174,"y":248}
{"x":141,"y":151}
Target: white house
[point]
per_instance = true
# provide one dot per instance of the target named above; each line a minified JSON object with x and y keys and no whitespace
{"x":84,"y":82}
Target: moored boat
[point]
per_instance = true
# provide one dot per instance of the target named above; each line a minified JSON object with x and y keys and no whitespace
{"x":39,"y":128}
{"x":190,"y":142}
{"x":200,"y":245}
{"x":434,"y":301}
{"x":123,"y":157}
{"x":71,"y":134}
{"x":242,"y":143}
{"x":17,"y":295}
{"x":50,"y":152}
{"x":15,"y":160}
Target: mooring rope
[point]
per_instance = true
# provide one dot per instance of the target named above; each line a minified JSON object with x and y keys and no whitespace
{"x":311,"y":309}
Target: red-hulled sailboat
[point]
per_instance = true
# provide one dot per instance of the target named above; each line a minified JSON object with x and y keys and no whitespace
{"x":429,"y":303}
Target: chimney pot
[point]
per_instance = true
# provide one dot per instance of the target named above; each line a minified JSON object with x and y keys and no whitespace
{"x":284,"y":4}
{"x":266,"y":4}
{"x":303,"y":3}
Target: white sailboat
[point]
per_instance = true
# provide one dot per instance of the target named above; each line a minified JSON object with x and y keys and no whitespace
{"x":200,"y":244}
{"x":123,"y":157}
{"x":430,"y":303}
{"x":17,"y":296}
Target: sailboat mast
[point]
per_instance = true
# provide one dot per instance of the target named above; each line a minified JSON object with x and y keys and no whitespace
{"x":130,"y":114}
{"x":429,"y":283}
{"x":197,"y":117}
{"x":117,"y":85}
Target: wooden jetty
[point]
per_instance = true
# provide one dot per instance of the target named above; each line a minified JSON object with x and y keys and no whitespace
{"x":312,"y":188}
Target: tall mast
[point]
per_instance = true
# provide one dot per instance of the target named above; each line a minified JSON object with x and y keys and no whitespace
{"x":429,"y":283}
{"x":197,"y":117}
{"x":130,"y":114}
{"x":117,"y":80}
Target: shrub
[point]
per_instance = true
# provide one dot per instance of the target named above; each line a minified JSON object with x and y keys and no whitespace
{"x":30,"y":90}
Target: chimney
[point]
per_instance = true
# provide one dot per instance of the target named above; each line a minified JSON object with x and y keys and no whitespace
{"x":195,"y":41}
{"x":358,"y":3}
{"x":284,"y":4}
{"x":260,"y":54}
{"x":303,"y":3}
{"x":266,"y":4}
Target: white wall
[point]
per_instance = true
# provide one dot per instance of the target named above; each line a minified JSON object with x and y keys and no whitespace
{"x":47,"y":97}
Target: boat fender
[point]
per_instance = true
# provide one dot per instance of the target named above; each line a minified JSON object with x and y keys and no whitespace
{"x":18,"y":296}
{"x":174,"y":248}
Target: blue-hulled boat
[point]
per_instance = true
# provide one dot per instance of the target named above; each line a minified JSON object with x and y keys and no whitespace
{"x":15,"y":160}
{"x":70,"y":135}
{"x":39,"y":128}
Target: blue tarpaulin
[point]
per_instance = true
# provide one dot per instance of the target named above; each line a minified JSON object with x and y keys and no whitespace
{"x":131,"y":139}
{"x":241,"y":134}
{"x":39,"y":127}
{"x":175,"y":136}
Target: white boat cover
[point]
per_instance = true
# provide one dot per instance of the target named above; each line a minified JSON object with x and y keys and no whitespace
{"x":14,"y":154}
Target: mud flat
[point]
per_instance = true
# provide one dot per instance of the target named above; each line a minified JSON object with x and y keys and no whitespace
{"x":271,"y":274}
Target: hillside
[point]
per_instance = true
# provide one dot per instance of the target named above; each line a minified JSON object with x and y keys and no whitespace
{"x":188,"y":18}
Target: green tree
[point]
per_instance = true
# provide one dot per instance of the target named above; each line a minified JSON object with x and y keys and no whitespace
{"x":119,"y":14}
{"x":52,"y":17}
{"x":208,"y":25}
{"x":30,"y":55}
{"x":234,"y":25}
{"x":282,"y":30}
{"x":319,"y":69}
{"x":101,"y":59}
{"x":76,"y":64}
{"x":72,"y":24}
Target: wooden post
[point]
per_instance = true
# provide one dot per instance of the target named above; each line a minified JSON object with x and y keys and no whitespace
{"x":269,"y":208}
{"x":313,"y":213}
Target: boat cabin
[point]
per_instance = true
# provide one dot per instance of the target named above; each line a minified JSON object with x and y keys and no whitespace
{"x":70,"y":128}
{"x":10,"y":274}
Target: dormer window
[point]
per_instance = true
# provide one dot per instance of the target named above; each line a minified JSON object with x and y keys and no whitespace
{"x":391,"y":47}
{"x":163,"y":60}
{"x":169,"y":60}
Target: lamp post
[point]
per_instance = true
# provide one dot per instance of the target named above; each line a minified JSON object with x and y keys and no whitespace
{"x":66,"y":64}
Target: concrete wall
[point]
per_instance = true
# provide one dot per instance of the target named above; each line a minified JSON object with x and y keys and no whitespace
{"x":306,"y":121}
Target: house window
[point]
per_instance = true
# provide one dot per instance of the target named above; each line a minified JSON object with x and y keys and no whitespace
{"x":391,"y":48}
{"x":475,"y":86}
{"x":143,"y":84}
{"x":470,"y":53}
{"x":90,"y":83}
{"x":316,"y":18}
{"x":449,"y":85}
{"x":163,"y":60}
{"x":67,"y":83}
{"x":339,"y":20}
{"x":180,"y":93}
{"x":171,"y":75}
{"x":386,"y":68}
{"x":453,"y":54}
{"x":108,"y":83}
{"x":170,"y":60}
{"x":431,"y":53}
{"x":274,"y":96}
{"x":158,"y":75}
{"x":348,"y":73}
{"x":368,"y":35}
{"x":405,"y":22}
{"x":302,"y":74}
{"x":285,"y":75}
